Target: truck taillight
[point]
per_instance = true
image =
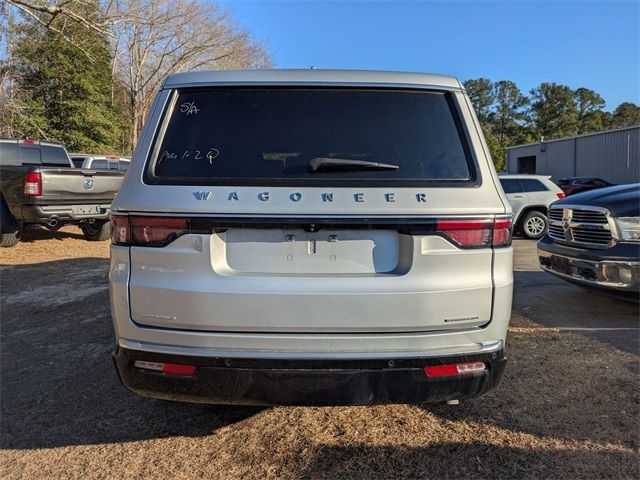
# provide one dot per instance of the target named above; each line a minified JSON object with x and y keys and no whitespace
{"x":477,"y":233}
{"x":561,"y":195}
{"x":146,"y":231}
{"x":32,"y":184}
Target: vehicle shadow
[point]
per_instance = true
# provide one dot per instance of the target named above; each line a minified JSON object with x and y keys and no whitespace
{"x":57,"y":380}
{"x":466,"y":460}
{"x":34,"y":233}
{"x":555,"y":303}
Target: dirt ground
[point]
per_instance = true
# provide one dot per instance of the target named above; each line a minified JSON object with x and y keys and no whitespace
{"x":569,"y":405}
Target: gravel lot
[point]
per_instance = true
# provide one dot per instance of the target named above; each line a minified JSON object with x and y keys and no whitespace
{"x":569,"y":406}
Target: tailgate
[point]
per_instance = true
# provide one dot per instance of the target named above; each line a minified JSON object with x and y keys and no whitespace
{"x":76,"y":186}
{"x":289,"y":279}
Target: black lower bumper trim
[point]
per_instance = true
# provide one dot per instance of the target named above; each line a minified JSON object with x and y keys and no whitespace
{"x":307,"y":382}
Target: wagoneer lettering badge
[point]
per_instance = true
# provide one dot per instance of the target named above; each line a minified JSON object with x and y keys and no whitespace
{"x":296,"y":197}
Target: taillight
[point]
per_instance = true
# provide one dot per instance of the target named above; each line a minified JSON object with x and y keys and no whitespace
{"x":146,"y":231}
{"x":120,"y":231}
{"x":502,"y":232}
{"x":476,"y":233}
{"x":33,"y":184}
{"x":560,"y":195}
{"x":454,"y":369}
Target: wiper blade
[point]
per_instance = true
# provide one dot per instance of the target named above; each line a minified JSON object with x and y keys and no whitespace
{"x":344,"y":163}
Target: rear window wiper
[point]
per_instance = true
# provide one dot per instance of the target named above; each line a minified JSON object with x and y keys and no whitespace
{"x":321,"y":163}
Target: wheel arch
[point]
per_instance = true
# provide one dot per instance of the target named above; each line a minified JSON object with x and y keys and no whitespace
{"x":529,"y":208}
{"x":7,"y":211}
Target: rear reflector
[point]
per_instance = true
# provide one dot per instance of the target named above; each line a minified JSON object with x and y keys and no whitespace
{"x":172,"y":368}
{"x":454,"y":369}
{"x":33,"y":184}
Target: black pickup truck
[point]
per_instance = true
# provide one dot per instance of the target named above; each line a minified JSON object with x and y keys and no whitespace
{"x":39,"y":186}
{"x":594,"y":240}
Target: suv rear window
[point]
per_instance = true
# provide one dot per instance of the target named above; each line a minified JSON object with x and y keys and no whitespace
{"x":532,"y":185}
{"x":510,"y":185}
{"x":268,"y":136}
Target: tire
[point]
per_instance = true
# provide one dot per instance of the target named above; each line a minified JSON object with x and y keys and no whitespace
{"x":96,"y":232}
{"x":534,"y":225}
{"x":10,"y":231}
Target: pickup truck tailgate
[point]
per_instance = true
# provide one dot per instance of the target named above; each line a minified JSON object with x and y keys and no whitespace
{"x":76,"y":186}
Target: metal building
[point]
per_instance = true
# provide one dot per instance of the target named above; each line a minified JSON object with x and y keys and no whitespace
{"x":613,"y":155}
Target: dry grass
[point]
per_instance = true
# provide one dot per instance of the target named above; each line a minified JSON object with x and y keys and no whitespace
{"x":569,"y":407}
{"x":42,"y":245}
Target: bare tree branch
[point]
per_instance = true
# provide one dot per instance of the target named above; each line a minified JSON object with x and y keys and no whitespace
{"x":164,"y":36}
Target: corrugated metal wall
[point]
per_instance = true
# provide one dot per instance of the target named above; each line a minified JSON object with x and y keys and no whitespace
{"x":613,"y":156}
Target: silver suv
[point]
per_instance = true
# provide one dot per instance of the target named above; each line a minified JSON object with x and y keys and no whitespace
{"x":311,"y":238}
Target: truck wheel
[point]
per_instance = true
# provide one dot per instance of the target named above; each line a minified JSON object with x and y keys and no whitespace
{"x":97,"y":231}
{"x":10,"y":232}
{"x":534,"y":225}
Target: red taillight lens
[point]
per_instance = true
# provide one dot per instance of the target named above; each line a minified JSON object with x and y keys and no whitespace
{"x":156,"y":231}
{"x":29,"y":141}
{"x":561,"y":195}
{"x":454,"y":369}
{"x":473,"y":233}
{"x":146,"y":231}
{"x":33,"y":184}
{"x":502,"y":232}
{"x":120,"y":230}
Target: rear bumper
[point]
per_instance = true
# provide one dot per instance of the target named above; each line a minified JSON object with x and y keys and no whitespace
{"x":259,"y":381}
{"x":612,"y":274}
{"x":43,"y":214}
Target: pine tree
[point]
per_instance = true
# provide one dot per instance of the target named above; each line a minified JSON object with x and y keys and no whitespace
{"x":67,"y":95}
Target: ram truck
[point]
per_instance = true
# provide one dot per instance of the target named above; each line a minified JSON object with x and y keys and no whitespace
{"x":39,"y":186}
{"x":594,"y":240}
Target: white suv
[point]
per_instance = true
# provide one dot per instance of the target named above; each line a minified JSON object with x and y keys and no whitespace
{"x":311,"y":238}
{"x":530,"y":197}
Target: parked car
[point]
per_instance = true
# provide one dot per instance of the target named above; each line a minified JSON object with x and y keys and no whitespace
{"x":530,"y":197}
{"x":594,"y":240}
{"x":38,"y":186}
{"x":581,"y":184}
{"x":318,"y":249}
{"x":100,"y":162}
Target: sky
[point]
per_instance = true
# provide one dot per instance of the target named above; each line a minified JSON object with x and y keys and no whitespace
{"x":593,"y":44}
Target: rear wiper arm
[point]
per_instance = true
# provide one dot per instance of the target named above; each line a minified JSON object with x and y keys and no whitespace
{"x":340,"y":163}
